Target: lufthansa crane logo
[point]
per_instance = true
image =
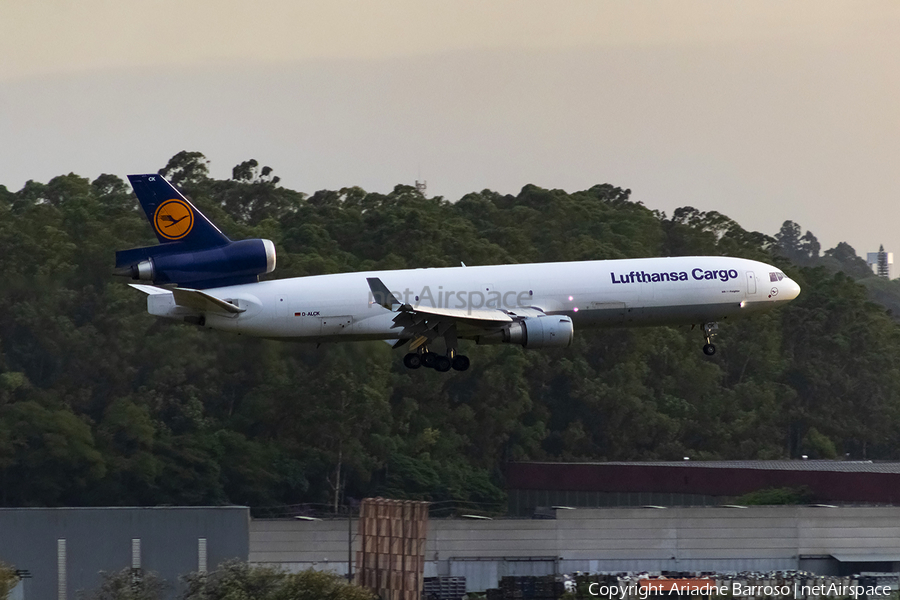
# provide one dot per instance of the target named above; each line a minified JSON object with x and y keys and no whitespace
{"x":174,"y":219}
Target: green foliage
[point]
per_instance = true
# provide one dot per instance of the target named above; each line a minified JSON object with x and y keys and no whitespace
{"x":101,"y":403}
{"x":773,"y":496}
{"x":239,"y":581}
{"x":8,"y":579}
{"x":126,"y":585}
{"x":843,"y":257}
{"x":885,"y":292}
{"x":186,"y":168}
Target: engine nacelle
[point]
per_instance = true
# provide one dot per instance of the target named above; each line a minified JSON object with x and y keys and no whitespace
{"x":552,"y":331}
{"x":234,"y":263}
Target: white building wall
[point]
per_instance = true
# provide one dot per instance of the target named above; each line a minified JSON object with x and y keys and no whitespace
{"x":606,"y":540}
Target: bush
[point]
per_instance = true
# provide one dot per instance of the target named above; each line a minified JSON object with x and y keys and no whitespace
{"x":771,"y":496}
{"x":124,"y":585}
{"x":8,"y":579}
{"x":235,"y":580}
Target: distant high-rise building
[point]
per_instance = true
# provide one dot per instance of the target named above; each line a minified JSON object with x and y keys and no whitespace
{"x":881,"y":262}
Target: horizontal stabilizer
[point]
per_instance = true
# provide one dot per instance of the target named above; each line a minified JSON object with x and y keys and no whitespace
{"x":150,"y":290}
{"x":203,"y":302}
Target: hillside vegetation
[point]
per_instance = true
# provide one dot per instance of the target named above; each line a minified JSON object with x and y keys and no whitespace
{"x":103,"y":404}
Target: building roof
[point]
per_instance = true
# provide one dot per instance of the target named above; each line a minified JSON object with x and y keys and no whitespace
{"x":837,"y":466}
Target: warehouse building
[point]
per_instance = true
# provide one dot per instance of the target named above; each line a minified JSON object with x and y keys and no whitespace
{"x":820,"y":539}
{"x":61,"y":551}
{"x":589,"y":517}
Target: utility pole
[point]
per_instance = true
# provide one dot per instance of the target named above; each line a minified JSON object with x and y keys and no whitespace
{"x":349,"y":545}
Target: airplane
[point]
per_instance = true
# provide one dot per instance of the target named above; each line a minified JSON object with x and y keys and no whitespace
{"x":197,"y":275}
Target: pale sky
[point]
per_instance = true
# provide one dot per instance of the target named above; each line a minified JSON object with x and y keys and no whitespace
{"x":765,"y":110}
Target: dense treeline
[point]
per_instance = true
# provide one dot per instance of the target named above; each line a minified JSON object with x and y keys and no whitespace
{"x":101,"y":403}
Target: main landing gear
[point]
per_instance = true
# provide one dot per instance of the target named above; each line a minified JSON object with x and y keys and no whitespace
{"x":438,"y":362}
{"x":709,"y":330}
{"x":421,"y":356}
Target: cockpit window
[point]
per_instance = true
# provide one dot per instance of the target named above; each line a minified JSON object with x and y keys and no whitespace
{"x":776,"y":276}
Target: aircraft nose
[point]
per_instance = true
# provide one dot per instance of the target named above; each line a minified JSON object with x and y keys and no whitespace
{"x":791,"y":289}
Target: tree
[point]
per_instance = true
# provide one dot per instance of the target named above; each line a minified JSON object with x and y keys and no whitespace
{"x":185,"y":168}
{"x":53,"y":457}
{"x":253,"y":195}
{"x":788,"y":238}
{"x":319,"y":585}
{"x":249,"y":171}
{"x":883,"y":269}
{"x":8,"y":579}
{"x":128,"y":585}
{"x":843,"y":257}
{"x":810,"y":246}
{"x":236,"y":580}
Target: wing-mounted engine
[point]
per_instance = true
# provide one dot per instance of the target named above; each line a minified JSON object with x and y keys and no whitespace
{"x":551,"y":331}
{"x":230,"y":264}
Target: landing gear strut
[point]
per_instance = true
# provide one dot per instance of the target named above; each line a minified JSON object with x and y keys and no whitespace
{"x":421,"y":356}
{"x":709,"y":330}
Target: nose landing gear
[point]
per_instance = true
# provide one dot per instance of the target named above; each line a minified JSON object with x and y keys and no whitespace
{"x":709,"y":330}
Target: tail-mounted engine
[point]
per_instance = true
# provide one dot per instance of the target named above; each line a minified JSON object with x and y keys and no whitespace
{"x":551,"y":331}
{"x":231,"y":264}
{"x":192,"y":251}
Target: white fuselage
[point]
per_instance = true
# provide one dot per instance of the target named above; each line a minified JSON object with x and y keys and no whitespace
{"x":629,"y":292}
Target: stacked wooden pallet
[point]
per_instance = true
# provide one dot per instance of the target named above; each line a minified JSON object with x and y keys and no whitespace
{"x":392,"y":535}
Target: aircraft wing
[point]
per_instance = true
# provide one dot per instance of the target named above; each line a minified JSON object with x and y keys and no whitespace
{"x":425,"y":323}
{"x":491,"y":315}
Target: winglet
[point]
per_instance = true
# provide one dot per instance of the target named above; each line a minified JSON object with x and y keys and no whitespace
{"x":381,"y":294}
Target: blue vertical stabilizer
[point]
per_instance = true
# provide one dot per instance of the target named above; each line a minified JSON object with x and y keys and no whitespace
{"x":173,"y":217}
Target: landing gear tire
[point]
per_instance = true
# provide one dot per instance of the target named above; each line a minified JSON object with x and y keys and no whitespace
{"x":441,"y":364}
{"x":428,"y":359}
{"x":709,"y":330}
{"x":412,"y":360}
{"x":460,"y":362}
